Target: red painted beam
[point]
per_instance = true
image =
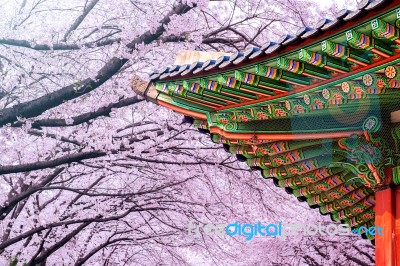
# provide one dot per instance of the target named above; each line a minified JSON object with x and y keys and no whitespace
{"x":284,"y":136}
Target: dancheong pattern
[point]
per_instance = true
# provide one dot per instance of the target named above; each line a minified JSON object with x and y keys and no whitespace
{"x":312,"y":116}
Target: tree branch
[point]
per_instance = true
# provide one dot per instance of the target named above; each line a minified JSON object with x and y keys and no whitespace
{"x":59,"y":244}
{"x":79,"y":20}
{"x":38,"y":106}
{"x":53,"y":136}
{"x":97,"y":219}
{"x":57,"y":46}
{"x":25,"y":193}
{"x":9,"y":169}
{"x":103,"y":111}
{"x":148,"y":37}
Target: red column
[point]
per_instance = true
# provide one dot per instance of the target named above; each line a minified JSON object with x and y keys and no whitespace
{"x":397,"y":224}
{"x":385,"y":250}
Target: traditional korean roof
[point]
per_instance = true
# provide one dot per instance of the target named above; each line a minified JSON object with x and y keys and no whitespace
{"x":311,"y":111}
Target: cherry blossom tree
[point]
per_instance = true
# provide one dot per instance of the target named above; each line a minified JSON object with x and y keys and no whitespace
{"x":93,"y":174}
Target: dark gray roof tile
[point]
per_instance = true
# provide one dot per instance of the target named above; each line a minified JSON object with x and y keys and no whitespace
{"x":303,"y":30}
{"x":192,"y":67}
{"x":165,"y":75}
{"x":352,"y":15}
{"x":323,"y":22}
{"x":231,"y":59}
{"x":273,"y":48}
{"x":165,"y":69}
{"x":310,"y":33}
{"x":262,"y":49}
{"x":342,"y":13}
{"x":291,"y":39}
{"x":330,"y":24}
{"x":284,"y":38}
{"x":364,"y":3}
{"x":374,"y":4}
{"x":204,"y":66}
{"x":266,"y":45}
{"x":219,"y":61}
{"x":155,"y":76}
{"x":180,"y":70}
{"x":246,"y":55}
{"x":250,"y":51}
{"x":269,"y":47}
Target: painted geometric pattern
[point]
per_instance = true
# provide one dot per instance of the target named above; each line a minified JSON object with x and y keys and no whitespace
{"x":193,"y":87}
{"x":354,"y":90}
{"x":340,"y":191}
{"x":376,"y":81}
{"x":229,"y":82}
{"x":312,"y":79}
{"x":210,"y":85}
{"x":290,"y":65}
{"x":321,"y":186}
{"x":306,"y":179}
{"x":346,"y":201}
{"x":247,"y":78}
{"x":335,"y":49}
{"x":384,"y":30}
{"x":269,"y":72}
{"x":272,"y":148}
{"x":296,"y":168}
{"x":369,"y":86}
{"x":302,"y":167}
{"x":312,"y":58}
{"x":216,"y":138}
{"x":277,"y":160}
{"x":356,"y":209}
{"x":359,"y":40}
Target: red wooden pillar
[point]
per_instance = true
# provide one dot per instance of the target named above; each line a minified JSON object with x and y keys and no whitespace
{"x":397,"y":224}
{"x":385,"y":248}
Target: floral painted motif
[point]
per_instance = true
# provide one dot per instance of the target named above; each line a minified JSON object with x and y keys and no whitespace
{"x":346,"y":202}
{"x":392,"y":72}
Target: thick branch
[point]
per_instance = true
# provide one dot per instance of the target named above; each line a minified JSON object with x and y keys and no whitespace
{"x":170,"y":162}
{"x":9,"y":169}
{"x":57,"y":46}
{"x":38,"y":106}
{"x":12,"y":202}
{"x":58,"y":245}
{"x":86,"y":117}
{"x":54,"y":136}
{"x":148,"y":37}
{"x":145,"y":38}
